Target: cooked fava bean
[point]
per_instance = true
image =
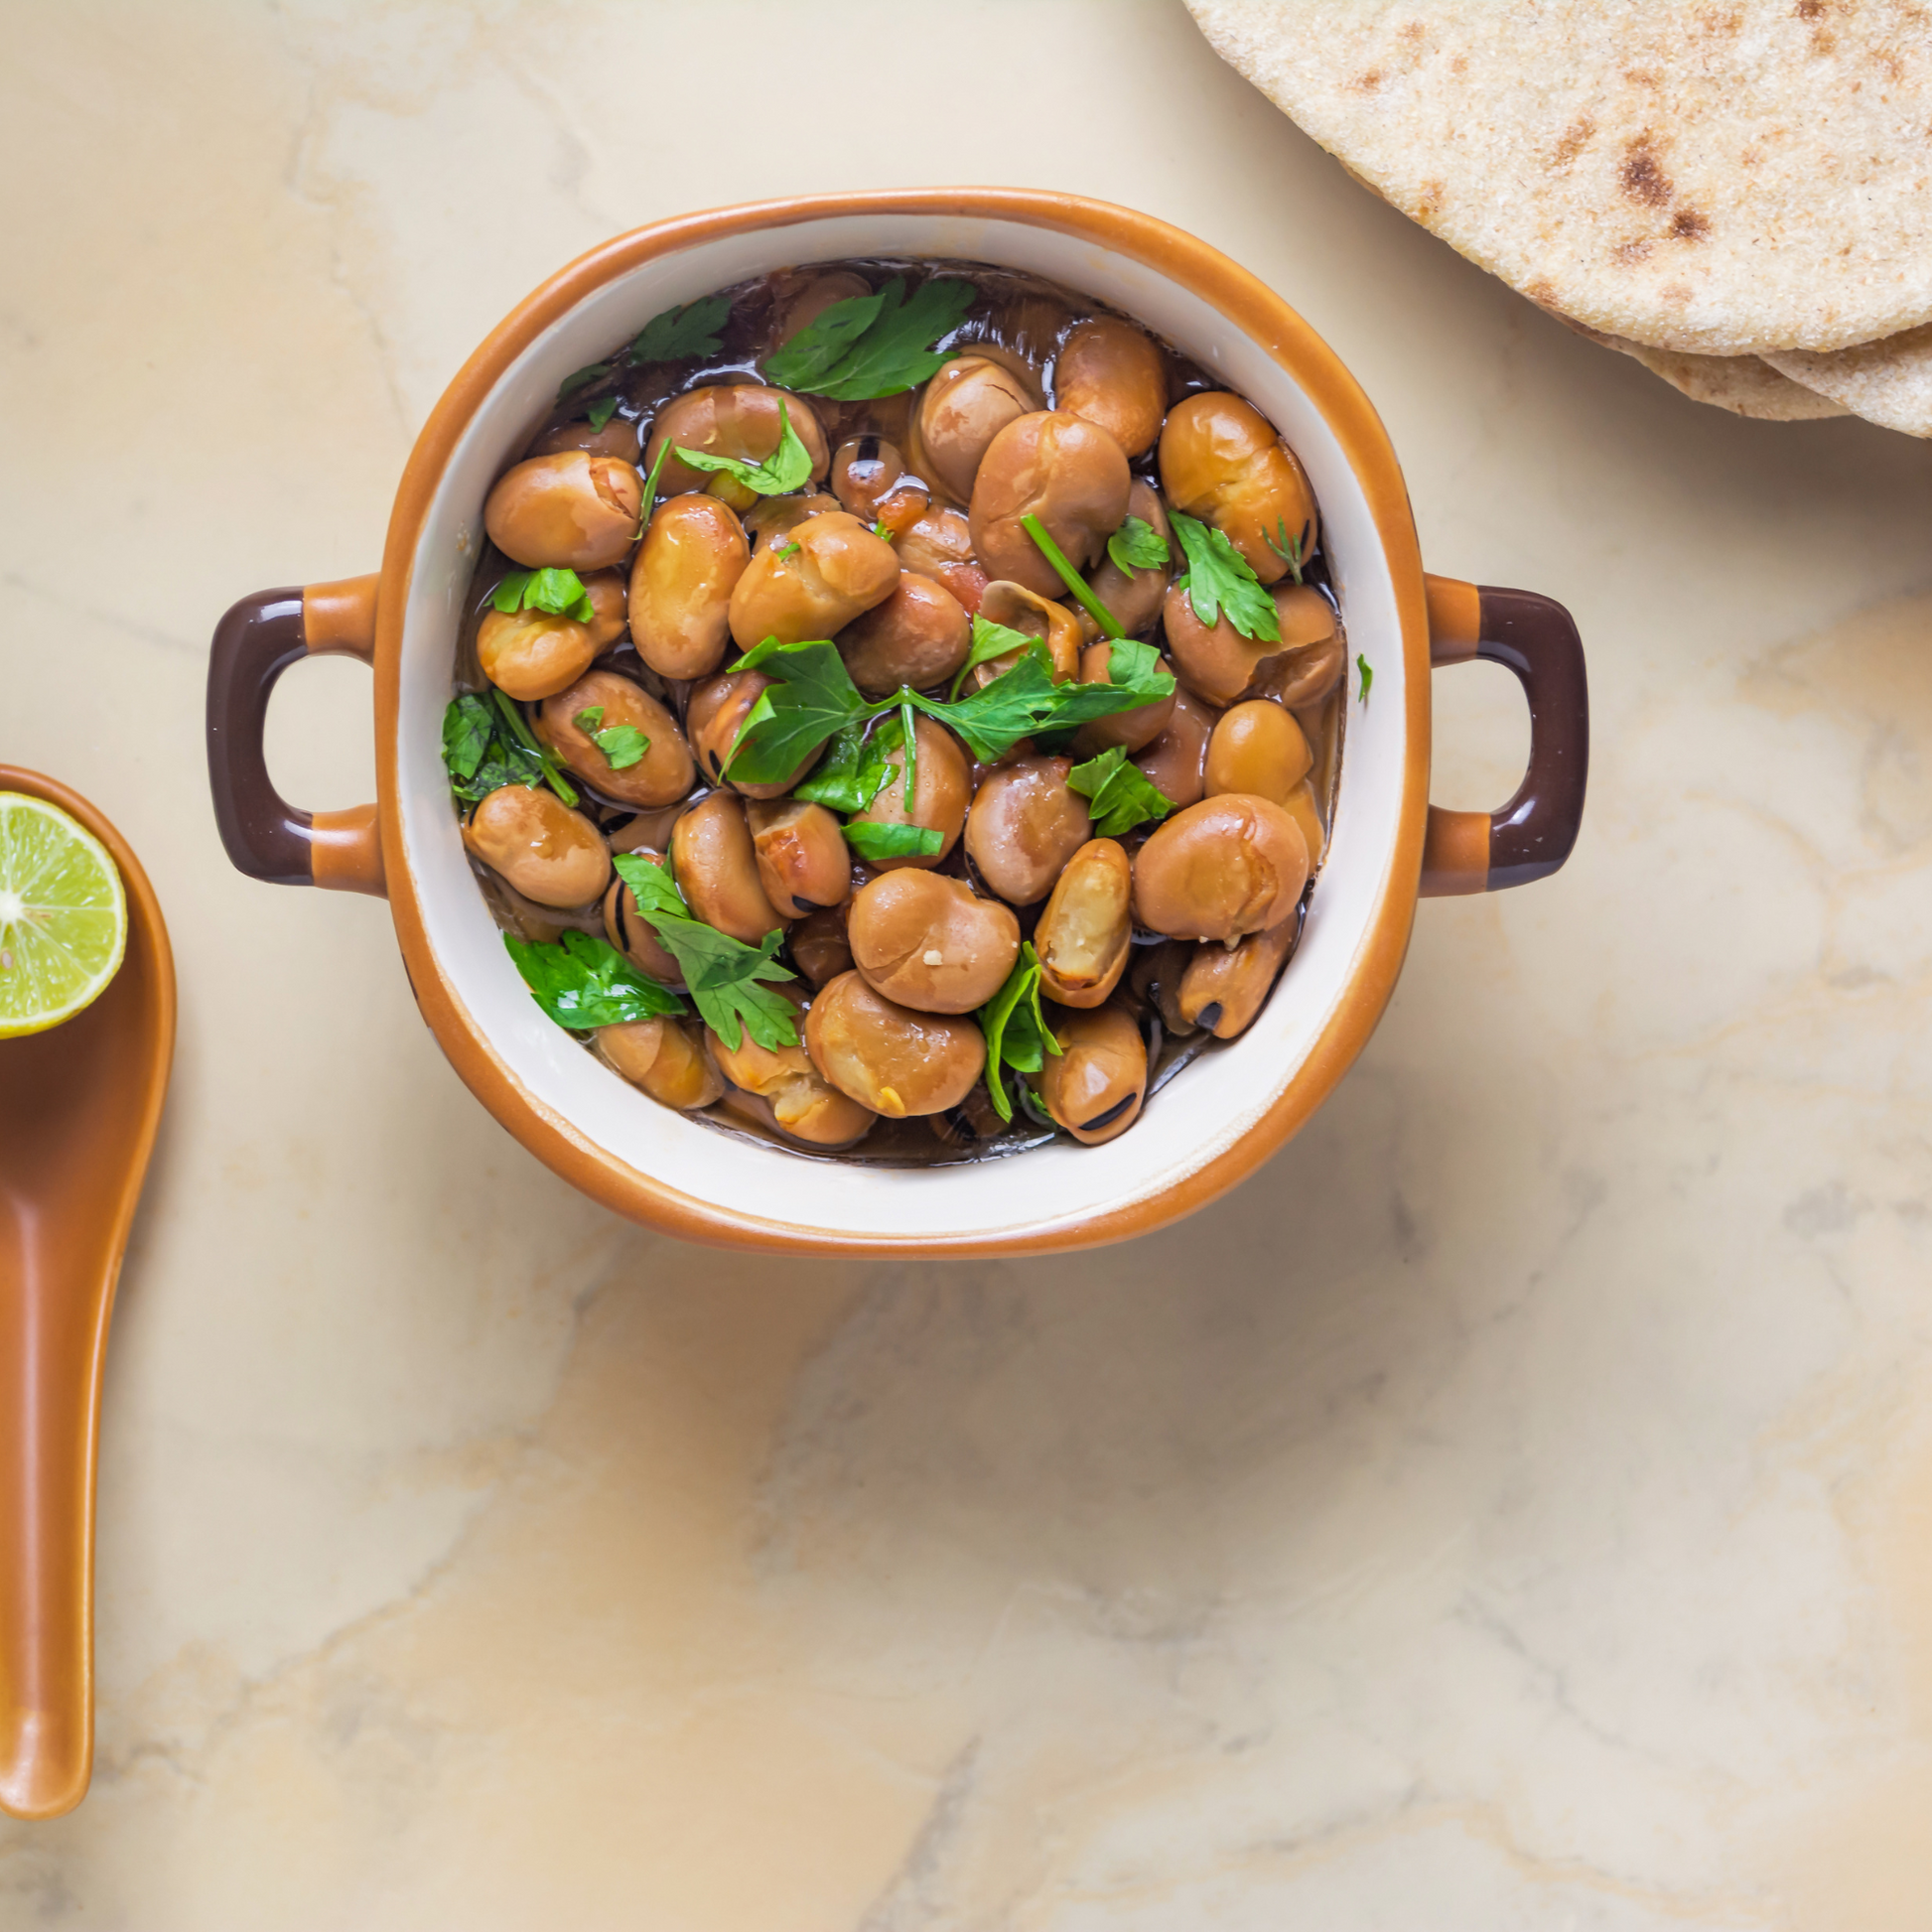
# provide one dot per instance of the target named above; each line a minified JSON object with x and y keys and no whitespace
{"x":1227,"y":866}
{"x":569,"y":511}
{"x":546,"y":851}
{"x":1224,"y":985}
{"x":919,"y":636}
{"x":771,"y":519}
{"x":1135,"y":729}
{"x":1307,"y":675}
{"x":1258,"y":748}
{"x":866,"y":469}
{"x":818,"y":945}
{"x":826,"y":572}
{"x":795,"y":1097}
{"x":1154,"y":978}
{"x":648,"y":831}
{"x":609,"y":606}
{"x":1062,"y":470}
{"x":745,"y":420}
{"x":689,"y":563}
{"x":712,"y":721}
{"x":663,"y":1057}
{"x":941,"y":786}
{"x":1026,"y":824}
{"x":1095,"y":1085}
{"x":1175,"y":763}
{"x":1221,"y":461}
{"x":804,"y":863}
{"x":617,"y":438}
{"x":660,"y":778}
{"x":1300,"y":805}
{"x":1133,"y":595}
{"x":939,"y":545}
{"x":1034,"y":616}
{"x":1084,"y":935}
{"x":889,"y":1057}
{"x":1114,"y":375}
{"x":533,"y":654}
{"x":628,"y":929}
{"x":964,"y":407}
{"x":716,"y":869}
{"x":930,"y":943}
{"x":1222,"y":666}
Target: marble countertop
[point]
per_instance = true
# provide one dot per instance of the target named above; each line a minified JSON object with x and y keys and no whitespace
{"x":1509,"y":1511}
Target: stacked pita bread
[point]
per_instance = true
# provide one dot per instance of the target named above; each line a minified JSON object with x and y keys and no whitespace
{"x":1737,"y":193}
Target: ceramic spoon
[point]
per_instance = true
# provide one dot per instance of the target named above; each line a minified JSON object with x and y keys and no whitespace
{"x":79,"y":1107}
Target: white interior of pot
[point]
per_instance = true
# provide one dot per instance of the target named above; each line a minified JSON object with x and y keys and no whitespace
{"x":1201,"y":1113}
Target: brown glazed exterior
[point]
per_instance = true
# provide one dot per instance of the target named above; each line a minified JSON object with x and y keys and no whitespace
{"x":78,"y":1108}
{"x":360,"y":850}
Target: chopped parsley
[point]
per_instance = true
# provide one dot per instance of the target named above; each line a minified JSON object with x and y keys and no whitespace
{"x":582,"y":982}
{"x":1120,"y":794}
{"x":872,"y":346}
{"x":1137,"y":545}
{"x":787,"y":467}
{"x":680,"y":333}
{"x":1220,"y":580}
{"x":871,"y":841}
{"x":1017,"y":1032}
{"x":558,"y":592}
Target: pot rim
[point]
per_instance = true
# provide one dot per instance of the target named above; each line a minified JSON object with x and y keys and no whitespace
{"x":1249,"y":306}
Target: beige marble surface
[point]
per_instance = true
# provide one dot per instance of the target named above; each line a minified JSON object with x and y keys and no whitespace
{"x":1508,"y":1511}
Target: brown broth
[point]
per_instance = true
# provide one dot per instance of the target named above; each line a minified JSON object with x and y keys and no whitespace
{"x":1027,"y":316}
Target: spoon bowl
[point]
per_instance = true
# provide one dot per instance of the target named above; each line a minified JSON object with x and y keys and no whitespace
{"x":79,"y":1109}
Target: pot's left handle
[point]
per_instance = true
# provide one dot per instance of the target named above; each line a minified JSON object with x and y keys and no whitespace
{"x":254,"y":643}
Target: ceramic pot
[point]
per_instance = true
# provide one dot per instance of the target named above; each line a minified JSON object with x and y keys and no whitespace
{"x":1213,"y":1124}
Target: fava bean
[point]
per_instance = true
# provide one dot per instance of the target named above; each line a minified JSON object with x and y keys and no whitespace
{"x":1223,"y":666}
{"x":1133,"y":729}
{"x":819,"y":949}
{"x":1094,"y":1087}
{"x":790,"y":1093}
{"x":930,"y":943}
{"x":1221,"y":461}
{"x":940,"y":789}
{"x":1084,"y":935}
{"x":716,"y":869}
{"x":1032,"y":615}
{"x":1219,"y":870}
{"x":569,"y":511}
{"x":1258,"y":749}
{"x":716,"y":716}
{"x":1300,"y":808}
{"x":664,"y":1058}
{"x":743,"y":420}
{"x":837,"y":570}
{"x":1133,"y":595}
{"x":533,"y":654}
{"x":1224,"y":985}
{"x":628,"y":929}
{"x":1115,"y":377}
{"x":1060,"y":469}
{"x":964,"y":407}
{"x":546,"y":851}
{"x":919,"y":636}
{"x":889,"y":1057}
{"x":681,"y":583}
{"x":1026,"y":824}
{"x":660,"y":778}
{"x":804,"y":863}
{"x":1175,"y":763}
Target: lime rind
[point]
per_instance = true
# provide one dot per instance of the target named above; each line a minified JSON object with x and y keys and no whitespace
{"x":63,"y":916}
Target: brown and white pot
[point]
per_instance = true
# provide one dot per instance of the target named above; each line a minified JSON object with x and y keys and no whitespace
{"x":1210,"y":1127}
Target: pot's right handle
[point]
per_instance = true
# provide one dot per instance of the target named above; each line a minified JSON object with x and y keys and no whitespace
{"x":254,"y":643}
{"x":1532,"y":835}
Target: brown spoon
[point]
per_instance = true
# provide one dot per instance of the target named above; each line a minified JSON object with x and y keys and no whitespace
{"x":78,"y":1108}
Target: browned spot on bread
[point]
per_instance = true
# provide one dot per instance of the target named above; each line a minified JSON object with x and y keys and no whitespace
{"x":1630,"y":251}
{"x":1642,"y":77}
{"x":1809,"y":9}
{"x":1641,"y":178}
{"x":1411,"y":30}
{"x":1369,"y":81}
{"x":1429,"y":202}
{"x":1687,"y":224}
{"x":1574,"y":140}
{"x":1541,"y":291}
{"x":1676,"y":293}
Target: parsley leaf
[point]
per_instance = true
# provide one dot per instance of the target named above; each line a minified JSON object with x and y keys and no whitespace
{"x":689,"y":331}
{"x":582,"y":380}
{"x":788,"y":466}
{"x":1137,"y":545}
{"x":622,"y":745}
{"x":483,"y":754}
{"x":1221,"y":579}
{"x":589,"y":719}
{"x":1368,"y":677}
{"x":873,"y":346}
{"x":1122,"y":796}
{"x":559,"y":593}
{"x":601,"y":411}
{"x":1015,"y":1030}
{"x":584,"y":982}
{"x":814,"y":696}
{"x":849,"y":777}
{"x":785,"y":550}
{"x":990,"y":641}
{"x":722,"y":972}
{"x":553,"y":772}
{"x":871,"y":841}
{"x":1288,"y":550}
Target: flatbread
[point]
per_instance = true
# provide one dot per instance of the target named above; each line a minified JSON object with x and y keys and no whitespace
{"x":1747,"y":385}
{"x":1887,"y":382}
{"x":1716,"y":177}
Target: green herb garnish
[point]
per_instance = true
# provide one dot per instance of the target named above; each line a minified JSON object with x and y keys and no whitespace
{"x":601,"y":411}
{"x":788,"y":466}
{"x":679,"y":333}
{"x":813,"y":697}
{"x":1137,"y":545}
{"x":787,"y":550}
{"x":1017,"y":1032}
{"x":850,"y":775}
{"x":872,"y":842}
{"x":479,"y":753}
{"x":1071,"y":578}
{"x":1219,"y":578}
{"x":558,"y":592}
{"x":553,"y":772}
{"x":1120,"y":793}
{"x":622,"y":745}
{"x":722,"y":972}
{"x":1288,"y":550}
{"x":1367,"y":671}
{"x":884,"y":534}
{"x":990,"y":641}
{"x":582,"y":380}
{"x":872,"y":346}
{"x":583,"y":981}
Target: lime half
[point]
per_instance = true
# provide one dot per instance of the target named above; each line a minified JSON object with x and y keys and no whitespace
{"x":62,"y":916}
